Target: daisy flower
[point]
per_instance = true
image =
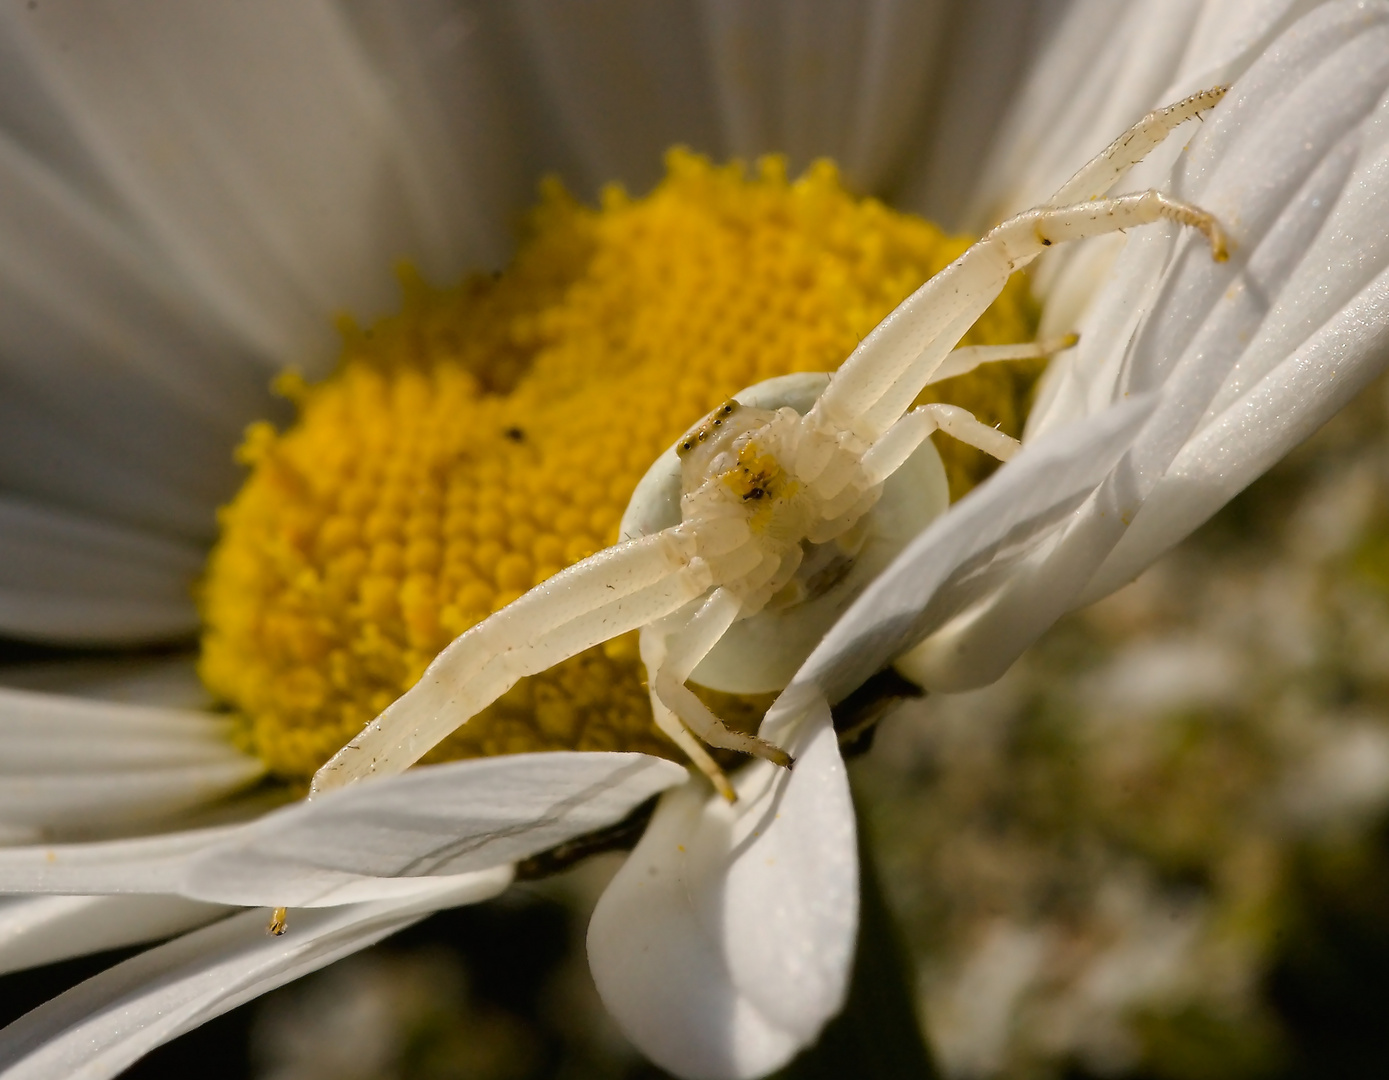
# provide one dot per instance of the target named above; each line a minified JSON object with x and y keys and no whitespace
{"x":194,"y":192}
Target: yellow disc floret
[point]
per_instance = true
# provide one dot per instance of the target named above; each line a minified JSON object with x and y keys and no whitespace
{"x":491,"y":434}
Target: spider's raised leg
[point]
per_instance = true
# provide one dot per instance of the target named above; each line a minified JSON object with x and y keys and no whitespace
{"x":1106,"y":168}
{"x":1012,"y":245}
{"x":878,"y":383}
{"x":607,"y":594}
{"x":670,"y":657}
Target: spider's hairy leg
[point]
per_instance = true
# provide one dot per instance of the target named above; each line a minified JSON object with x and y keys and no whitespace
{"x":672,"y":659}
{"x":1106,"y":168}
{"x":888,"y":454}
{"x":911,"y":343}
{"x":1059,"y":224}
{"x":879,"y":381}
{"x":1012,"y":245}
{"x":616,"y":590}
{"x":962,"y":361}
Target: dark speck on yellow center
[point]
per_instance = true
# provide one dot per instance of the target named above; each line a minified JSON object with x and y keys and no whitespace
{"x":491,"y":434}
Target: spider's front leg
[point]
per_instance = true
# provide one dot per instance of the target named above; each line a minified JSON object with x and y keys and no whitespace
{"x":891,"y":366}
{"x":986,"y":266}
{"x":605,"y":595}
{"x":670,"y":654}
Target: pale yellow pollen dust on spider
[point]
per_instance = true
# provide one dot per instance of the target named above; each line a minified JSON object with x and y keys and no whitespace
{"x":756,"y":530}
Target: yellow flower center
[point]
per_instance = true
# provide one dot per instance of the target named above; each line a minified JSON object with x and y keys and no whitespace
{"x":491,"y":434}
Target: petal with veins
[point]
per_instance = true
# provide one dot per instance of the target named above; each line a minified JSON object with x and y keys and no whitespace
{"x":1303,"y":324}
{"x":66,"y":577}
{"x":119,"y":396}
{"x":392,"y":837}
{"x":1108,"y":65}
{"x":386,"y":837}
{"x":75,"y":767}
{"x":281,"y":197}
{"x":103,"y":1025}
{"x":1296,"y":169}
{"x":725,"y":941}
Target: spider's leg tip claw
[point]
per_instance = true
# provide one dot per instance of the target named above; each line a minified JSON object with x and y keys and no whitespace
{"x":778,"y":756}
{"x":1218,"y":240}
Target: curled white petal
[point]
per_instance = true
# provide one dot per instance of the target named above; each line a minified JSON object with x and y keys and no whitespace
{"x":725,"y":942}
{"x":1104,"y":67}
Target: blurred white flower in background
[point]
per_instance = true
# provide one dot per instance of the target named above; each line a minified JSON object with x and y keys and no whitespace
{"x":192,"y":192}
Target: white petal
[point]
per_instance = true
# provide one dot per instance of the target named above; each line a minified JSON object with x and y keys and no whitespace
{"x":256,"y":145}
{"x":389,"y":838}
{"x":37,"y":930}
{"x":967,"y":552}
{"x":25,"y":714}
{"x":989,"y":46}
{"x":75,"y":579}
{"x":103,"y":1025}
{"x":468,"y":148}
{"x":725,"y":942}
{"x":381,"y":837}
{"x":1105,"y":67}
{"x":67,"y":804}
{"x":1272,"y":166}
{"x":117,"y":395}
{"x":74,"y":767}
{"x":146,"y":864}
{"x":1255,"y":356}
{"x":848,"y":81}
{"x":170,"y":681}
{"x":626,"y":81}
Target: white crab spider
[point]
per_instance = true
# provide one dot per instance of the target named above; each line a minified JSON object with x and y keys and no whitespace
{"x":765,"y":521}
